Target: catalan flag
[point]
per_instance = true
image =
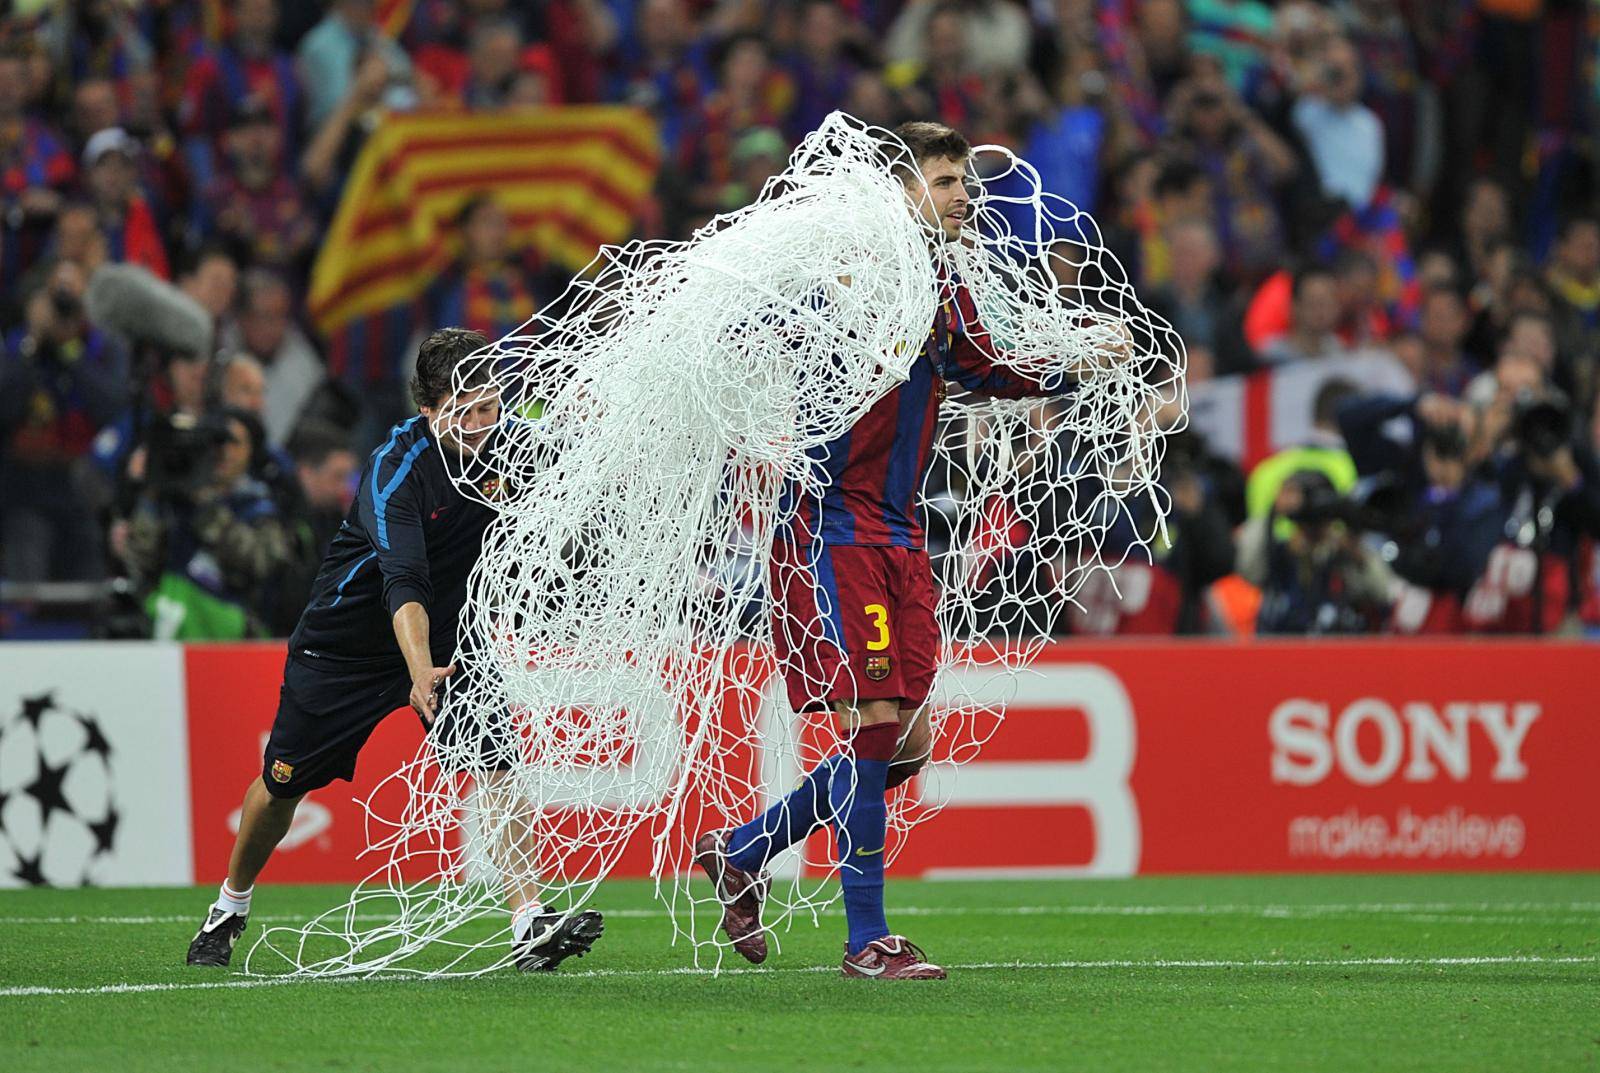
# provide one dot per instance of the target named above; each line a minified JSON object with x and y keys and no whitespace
{"x":571,"y":179}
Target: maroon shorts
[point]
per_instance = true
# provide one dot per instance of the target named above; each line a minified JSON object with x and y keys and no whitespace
{"x":854,"y":623}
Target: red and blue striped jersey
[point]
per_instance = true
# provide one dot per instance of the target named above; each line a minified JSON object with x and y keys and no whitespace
{"x":872,"y":474}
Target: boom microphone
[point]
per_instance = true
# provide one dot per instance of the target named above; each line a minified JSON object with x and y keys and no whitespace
{"x":131,"y":302}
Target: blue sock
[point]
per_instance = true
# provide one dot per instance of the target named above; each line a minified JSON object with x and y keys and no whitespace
{"x":862,"y":830}
{"x":789,"y":819}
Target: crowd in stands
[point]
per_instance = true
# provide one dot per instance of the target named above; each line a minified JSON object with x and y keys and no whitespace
{"x":1373,"y":222}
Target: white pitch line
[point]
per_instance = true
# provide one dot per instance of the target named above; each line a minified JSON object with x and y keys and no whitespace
{"x":1433,"y":912}
{"x":978,"y":966}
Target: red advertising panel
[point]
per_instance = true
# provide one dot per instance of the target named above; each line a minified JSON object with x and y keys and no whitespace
{"x":1117,"y":759}
{"x":233,"y":696}
{"x":1284,"y":757}
{"x":1391,"y":756}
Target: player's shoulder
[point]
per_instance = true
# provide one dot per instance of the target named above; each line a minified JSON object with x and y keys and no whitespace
{"x":397,"y":457}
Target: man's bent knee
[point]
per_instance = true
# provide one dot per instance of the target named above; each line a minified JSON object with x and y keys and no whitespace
{"x":916,"y":745}
{"x":903,"y":771}
{"x":866,"y":713}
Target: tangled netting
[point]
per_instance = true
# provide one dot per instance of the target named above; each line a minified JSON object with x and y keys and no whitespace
{"x":663,"y":427}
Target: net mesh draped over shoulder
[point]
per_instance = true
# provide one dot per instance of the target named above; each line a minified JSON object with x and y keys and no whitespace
{"x":660,"y":432}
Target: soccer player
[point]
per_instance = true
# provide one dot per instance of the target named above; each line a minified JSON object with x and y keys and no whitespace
{"x":853,"y":620}
{"x":378,"y":633}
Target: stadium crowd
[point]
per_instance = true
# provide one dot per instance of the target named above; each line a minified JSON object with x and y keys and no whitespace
{"x":1373,"y":223}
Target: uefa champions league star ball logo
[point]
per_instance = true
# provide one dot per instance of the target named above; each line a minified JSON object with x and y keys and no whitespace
{"x":58,"y":819}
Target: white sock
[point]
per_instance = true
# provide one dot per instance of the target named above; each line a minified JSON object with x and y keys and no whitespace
{"x":232,"y":901}
{"x":522,"y":919}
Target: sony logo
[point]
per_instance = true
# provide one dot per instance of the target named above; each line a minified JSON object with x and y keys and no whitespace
{"x":1309,"y":739}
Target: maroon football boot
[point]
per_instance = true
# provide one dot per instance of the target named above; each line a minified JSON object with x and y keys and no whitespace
{"x":741,"y":895}
{"x":891,"y":958}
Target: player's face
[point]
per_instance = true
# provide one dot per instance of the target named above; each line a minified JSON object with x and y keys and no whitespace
{"x":463,"y":421}
{"x":946,"y":206}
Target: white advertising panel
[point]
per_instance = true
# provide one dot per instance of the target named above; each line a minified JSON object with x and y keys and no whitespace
{"x":94,"y":765}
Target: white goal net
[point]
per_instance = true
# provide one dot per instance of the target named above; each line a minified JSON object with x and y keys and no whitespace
{"x":664,"y":426}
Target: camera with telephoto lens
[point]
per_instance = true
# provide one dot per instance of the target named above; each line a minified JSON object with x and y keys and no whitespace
{"x":181,"y":451}
{"x":1542,"y":423}
{"x":1320,"y":502}
{"x":1376,"y":505}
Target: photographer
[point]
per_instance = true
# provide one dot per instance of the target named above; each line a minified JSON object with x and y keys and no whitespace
{"x":205,"y":539}
{"x":60,"y":382}
{"x":324,"y":468}
{"x":1538,"y":575}
{"x":1344,"y":136}
{"x":237,"y":382}
{"x":1440,"y":516}
{"x":1319,"y":578}
{"x":1160,"y":588}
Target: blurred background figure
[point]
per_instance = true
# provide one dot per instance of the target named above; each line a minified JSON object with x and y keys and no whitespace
{"x":253,"y":205}
{"x":486,"y":289}
{"x":266,"y":331}
{"x":1313,"y":318}
{"x":324,"y":469}
{"x":111,"y":172}
{"x":205,"y":539}
{"x":61,"y":381}
{"x":1320,"y":578}
{"x":329,"y":57}
{"x":1442,"y":517}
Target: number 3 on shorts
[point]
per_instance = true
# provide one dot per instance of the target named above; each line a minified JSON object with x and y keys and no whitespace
{"x":880,"y":618}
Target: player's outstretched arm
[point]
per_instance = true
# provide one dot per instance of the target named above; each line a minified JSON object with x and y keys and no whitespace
{"x":411,"y":631}
{"x":390,"y":512}
{"x":969,"y":362}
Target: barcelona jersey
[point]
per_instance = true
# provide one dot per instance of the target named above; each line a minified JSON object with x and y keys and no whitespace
{"x":871,"y":475}
{"x":411,"y":536}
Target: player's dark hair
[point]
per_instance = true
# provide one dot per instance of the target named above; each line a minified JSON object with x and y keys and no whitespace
{"x":930,"y":141}
{"x":441,"y":352}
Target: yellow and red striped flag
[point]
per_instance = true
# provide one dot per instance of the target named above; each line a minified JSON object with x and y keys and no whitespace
{"x":571,"y":179}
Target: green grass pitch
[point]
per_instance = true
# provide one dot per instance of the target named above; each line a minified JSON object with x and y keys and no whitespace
{"x":1305,"y":973}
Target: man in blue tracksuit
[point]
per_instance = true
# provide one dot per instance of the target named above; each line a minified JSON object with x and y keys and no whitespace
{"x":379,"y":632}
